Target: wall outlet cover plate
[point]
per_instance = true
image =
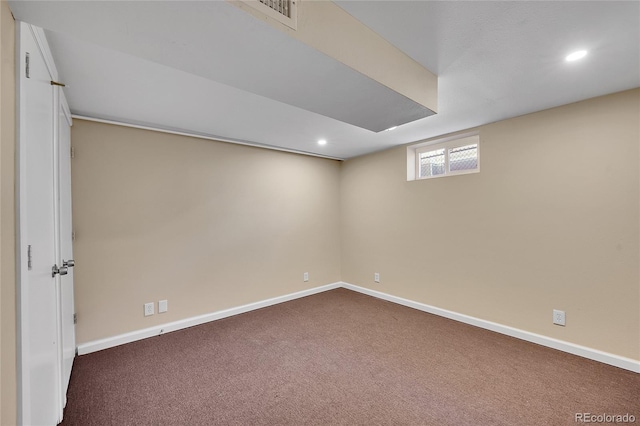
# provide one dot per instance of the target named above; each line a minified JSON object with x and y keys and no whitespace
{"x":559,"y":317}
{"x":148,"y":309}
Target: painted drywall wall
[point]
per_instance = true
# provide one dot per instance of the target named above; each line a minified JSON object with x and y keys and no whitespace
{"x":205,"y":225}
{"x":8,"y":371}
{"x":550,"y":222}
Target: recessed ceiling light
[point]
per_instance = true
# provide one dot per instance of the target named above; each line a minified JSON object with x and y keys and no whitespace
{"x":391,"y":128}
{"x":322,"y":142}
{"x":576,"y":55}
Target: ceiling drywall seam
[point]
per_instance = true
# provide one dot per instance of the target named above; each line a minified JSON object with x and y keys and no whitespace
{"x":200,"y":136}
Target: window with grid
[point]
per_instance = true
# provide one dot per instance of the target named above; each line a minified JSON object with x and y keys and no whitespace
{"x":451,"y":157}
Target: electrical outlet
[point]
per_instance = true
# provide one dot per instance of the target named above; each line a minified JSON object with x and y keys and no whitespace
{"x":163,"y":306}
{"x":376,"y":277}
{"x":559,"y":317}
{"x":305,"y":277}
{"x":148,"y":309}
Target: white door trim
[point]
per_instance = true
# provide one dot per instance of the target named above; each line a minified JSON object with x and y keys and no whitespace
{"x":21,"y":245}
{"x":43,"y":44}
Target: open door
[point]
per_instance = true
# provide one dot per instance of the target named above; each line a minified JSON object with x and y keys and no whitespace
{"x":44,"y":214}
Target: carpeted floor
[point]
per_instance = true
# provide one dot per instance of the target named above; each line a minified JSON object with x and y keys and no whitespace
{"x":343,"y":358}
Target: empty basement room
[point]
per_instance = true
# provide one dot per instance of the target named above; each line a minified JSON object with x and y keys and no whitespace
{"x":301,"y":212}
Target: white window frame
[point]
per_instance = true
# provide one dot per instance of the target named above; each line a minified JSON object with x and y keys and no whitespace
{"x":431,"y":149}
{"x":414,"y":151}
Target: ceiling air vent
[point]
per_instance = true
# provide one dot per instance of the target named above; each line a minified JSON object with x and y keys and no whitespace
{"x":283,"y":11}
{"x":280,"y":6}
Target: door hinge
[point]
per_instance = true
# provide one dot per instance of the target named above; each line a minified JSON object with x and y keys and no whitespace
{"x":73,"y":152}
{"x":29,"y":264}
{"x":73,"y":235}
{"x":75,"y":318}
{"x":27,"y":68}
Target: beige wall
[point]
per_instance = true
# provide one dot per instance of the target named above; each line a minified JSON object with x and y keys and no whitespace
{"x":206,"y":225}
{"x":551,"y":221}
{"x":8,"y":404}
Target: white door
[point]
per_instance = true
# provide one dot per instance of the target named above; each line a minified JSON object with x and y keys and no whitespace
{"x":39,"y":346}
{"x":46,"y":321}
{"x":65,"y":256}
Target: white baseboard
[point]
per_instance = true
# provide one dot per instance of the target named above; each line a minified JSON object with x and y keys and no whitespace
{"x":583,"y":351}
{"x":109,"y":342}
{"x":572,"y":348}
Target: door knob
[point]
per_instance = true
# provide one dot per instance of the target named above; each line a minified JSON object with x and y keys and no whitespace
{"x":63,"y":270}
{"x":69,"y":263}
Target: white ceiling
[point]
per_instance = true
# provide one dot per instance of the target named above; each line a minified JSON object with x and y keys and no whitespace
{"x":200,"y":66}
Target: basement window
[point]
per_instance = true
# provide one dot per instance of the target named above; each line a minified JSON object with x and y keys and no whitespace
{"x":444,"y":157}
{"x":283,"y":11}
